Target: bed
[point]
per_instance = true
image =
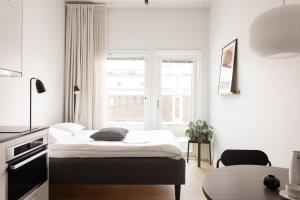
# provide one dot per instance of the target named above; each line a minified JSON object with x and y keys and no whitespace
{"x":143,"y":157}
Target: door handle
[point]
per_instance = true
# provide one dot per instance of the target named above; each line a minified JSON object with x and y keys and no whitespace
{"x":158,"y":102}
{"x":20,"y":164}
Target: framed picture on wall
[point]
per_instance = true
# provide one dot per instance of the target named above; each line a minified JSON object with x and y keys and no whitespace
{"x":227,"y":72}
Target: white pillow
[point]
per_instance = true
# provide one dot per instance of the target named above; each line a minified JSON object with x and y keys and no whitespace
{"x":56,"y":135}
{"x":70,"y":127}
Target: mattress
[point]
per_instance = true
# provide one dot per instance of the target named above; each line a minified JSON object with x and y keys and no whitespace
{"x":152,"y":143}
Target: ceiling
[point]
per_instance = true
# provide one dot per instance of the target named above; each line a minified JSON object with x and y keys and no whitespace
{"x":152,"y":3}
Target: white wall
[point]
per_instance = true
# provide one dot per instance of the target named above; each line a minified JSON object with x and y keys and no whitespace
{"x":266,"y":114}
{"x":161,"y":29}
{"x":158,"y":29}
{"x":43,"y":57}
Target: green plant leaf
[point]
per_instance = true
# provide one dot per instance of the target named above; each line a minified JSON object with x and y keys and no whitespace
{"x":199,"y":130}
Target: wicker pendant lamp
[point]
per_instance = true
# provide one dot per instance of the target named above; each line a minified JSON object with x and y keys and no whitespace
{"x":276,"y":33}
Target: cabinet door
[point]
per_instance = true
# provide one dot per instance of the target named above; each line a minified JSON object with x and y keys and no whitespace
{"x":11,"y":35}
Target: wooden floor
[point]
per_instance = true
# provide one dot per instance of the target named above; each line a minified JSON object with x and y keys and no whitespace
{"x":191,"y":191}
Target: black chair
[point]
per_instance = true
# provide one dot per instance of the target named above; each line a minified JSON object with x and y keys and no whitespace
{"x":243,"y":157}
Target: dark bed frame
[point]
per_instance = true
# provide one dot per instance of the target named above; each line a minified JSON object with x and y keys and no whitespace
{"x":140,"y":171}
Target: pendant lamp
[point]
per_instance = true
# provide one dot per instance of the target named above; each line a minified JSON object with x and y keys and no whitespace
{"x":276,"y":32}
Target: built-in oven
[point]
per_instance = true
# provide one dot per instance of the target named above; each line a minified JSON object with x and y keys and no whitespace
{"x":27,"y":167}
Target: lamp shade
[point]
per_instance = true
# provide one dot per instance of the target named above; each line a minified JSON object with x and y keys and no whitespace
{"x":276,"y":33}
{"x":40,"y":88}
{"x":76,"y":89}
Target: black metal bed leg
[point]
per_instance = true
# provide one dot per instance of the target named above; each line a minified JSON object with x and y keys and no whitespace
{"x":177,"y":192}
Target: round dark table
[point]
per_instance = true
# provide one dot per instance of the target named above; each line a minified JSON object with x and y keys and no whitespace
{"x":243,"y":182}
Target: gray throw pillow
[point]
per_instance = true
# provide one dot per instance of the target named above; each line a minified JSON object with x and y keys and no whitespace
{"x":110,"y":134}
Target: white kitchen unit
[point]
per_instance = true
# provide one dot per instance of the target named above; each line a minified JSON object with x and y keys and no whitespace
{"x":24,"y":164}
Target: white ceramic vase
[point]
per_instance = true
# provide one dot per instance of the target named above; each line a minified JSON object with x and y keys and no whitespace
{"x":295,"y":168}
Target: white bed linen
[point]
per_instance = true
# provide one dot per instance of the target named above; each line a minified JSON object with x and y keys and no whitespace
{"x":154,"y":143}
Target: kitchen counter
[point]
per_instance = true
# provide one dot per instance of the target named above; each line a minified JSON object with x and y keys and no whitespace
{"x":12,"y":132}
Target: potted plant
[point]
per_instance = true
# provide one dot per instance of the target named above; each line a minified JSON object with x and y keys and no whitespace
{"x":199,"y":130}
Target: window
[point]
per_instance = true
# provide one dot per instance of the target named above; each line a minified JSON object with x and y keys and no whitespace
{"x":151,"y":95}
{"x":125,"y":90}
{"x":177,"y":78}
{"x":176,"y":90}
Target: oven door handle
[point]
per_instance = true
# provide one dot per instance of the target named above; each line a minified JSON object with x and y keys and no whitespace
{"x":24,"y":162}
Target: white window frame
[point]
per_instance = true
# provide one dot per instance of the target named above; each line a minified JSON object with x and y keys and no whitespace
{"x":152,"y":90}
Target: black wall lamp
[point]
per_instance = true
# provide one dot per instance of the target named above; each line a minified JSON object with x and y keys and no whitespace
{"x":40,"y":88}
{"x":76,"y":90}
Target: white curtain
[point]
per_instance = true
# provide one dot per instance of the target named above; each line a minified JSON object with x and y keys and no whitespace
{"x":84,"y":65}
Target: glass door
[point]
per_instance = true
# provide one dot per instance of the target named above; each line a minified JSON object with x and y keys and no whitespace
{"x":176,"y":93}
{"x":156,"y":90}
{"x":125,"y":91}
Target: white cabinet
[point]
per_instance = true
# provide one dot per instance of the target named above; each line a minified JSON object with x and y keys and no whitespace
{"x":25,"y":160}
{"x":11,"y":35}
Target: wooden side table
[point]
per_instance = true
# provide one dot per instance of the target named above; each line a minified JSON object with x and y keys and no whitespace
{"x":199,"y":150}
